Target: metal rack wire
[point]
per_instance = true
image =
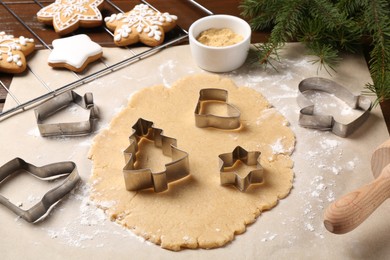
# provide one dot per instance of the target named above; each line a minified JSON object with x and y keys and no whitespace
{"x":180,"y":35}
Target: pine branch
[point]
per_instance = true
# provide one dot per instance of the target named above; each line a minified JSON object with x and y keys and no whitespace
{"x":327,"y":13}
{"x":262,"y":12}
{"x":266,"y":54}
{"x":351,"y":7}
{"x":378,"y":24}
{"x":327,"y":56}
{"x":287,"y":21}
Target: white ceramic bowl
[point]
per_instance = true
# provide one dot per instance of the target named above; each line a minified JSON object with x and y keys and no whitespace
{"x":220,"y":59}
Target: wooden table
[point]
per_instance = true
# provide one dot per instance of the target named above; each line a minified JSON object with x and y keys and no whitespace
{"x":185,"y":9}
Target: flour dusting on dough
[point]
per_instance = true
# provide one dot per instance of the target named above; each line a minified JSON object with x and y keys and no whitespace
{"x":193,"y":212}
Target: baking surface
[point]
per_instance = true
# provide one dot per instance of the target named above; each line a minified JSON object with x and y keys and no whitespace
{"x":326,"y":166}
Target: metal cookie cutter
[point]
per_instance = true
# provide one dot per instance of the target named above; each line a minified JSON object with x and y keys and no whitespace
{"x":308,"y":119}
{"x":59,"y":102}
{"x":232,"y":121}
{"x":228,"y":177}
{"x":50,"y":171}
{"x":138,"y":179}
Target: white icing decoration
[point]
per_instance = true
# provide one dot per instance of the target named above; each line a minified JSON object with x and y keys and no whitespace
{"x":9,"y":43}
{"x":143,"y":19}
{"x":122,"y":32}
{"x":74,"y":50}
{"x":117,"y":37}
{"x":73,"y":10}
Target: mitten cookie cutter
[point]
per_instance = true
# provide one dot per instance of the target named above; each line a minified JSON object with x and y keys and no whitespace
{"x":231,"y":177}
{"x":308,"y":119}
{"x":138,"y":179}
{"x":50,"y":171}
{"x":59,"y":102}
{"x":232,"y":121}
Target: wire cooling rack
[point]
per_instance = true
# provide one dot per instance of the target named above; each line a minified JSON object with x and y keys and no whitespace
{"x":174,"y":37}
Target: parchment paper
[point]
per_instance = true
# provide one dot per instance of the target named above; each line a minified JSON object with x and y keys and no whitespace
{"x":326,"y":166}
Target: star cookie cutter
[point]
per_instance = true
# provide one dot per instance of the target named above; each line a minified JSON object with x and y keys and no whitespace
{"x":229,"y":177}
{"x":309,"y":119}
{"x":144,"y":178}
{"x":59,"y":102}
{"x":47,"y":172}
{"x":232,"y":121}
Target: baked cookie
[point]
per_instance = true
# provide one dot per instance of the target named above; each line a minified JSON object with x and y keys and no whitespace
{"x":13,"y":51}
{"x":68,"y":15}
{"x":142,"y":24}
{"x":74,"y":53}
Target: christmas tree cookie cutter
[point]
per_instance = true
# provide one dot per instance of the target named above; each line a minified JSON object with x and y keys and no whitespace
{"x":144,"y":178}
{"x":229,"y":176}
{"x":47,"y":172}
{"x":231,"y":121}
{"x":309,"y":119}
{"x":62,"y":101}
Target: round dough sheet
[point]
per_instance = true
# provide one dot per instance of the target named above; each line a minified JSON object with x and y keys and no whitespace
{"x":195,"y":212}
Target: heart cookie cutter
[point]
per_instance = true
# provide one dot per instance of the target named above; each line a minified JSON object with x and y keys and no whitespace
{"x":51,"y":171}
{"x":52,"y":106}
{"x":232,"y":121}
{"x":309,"y":119}
{"x":231,"y":177}
{"x":144,"y":178}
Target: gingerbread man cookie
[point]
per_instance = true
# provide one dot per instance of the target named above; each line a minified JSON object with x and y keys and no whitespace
{"x":13,"y":51}
{"x":142,"y":24}
{"x":68,"y":15}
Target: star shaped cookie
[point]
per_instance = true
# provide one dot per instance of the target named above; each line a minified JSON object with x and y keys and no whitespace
{"x":13,"y":51}
{"x":74,"y":53}
{"x":68,"y":15}
{"x":142,"y":24}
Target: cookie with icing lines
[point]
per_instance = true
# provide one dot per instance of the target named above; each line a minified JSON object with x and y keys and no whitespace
{"x":68,"y":15}
{"x":141,"y":24}
{"x":13,"y":52}
{"x":74,"y":52}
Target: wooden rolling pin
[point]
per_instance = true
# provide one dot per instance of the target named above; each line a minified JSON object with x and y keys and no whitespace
{"x":349,"y":211}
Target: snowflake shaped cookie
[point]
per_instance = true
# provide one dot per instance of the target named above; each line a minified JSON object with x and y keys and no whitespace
{"x":142,"y":24}
{"x":13,"y":51}
{"x":68,"y":15}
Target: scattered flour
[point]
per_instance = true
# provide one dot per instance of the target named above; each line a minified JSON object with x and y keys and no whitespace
{"x":89,"y":224}
{"x":278,"y":147}
{"x":268,"y":236}
{"x":34,"y":132}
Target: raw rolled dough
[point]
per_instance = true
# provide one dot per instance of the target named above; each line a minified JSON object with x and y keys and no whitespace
{"x":195,"y":212}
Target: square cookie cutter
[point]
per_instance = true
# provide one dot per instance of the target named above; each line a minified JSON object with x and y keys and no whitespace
{"x":144,"y":178}
{"x":52,"y":106}
{"x":47,"y":172}
{"x":232,"y":121}
{"x":307,"y":117}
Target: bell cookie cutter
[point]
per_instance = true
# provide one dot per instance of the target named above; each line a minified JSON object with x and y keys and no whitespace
{"x":309,"y":119}
{"x":231,"y":177}
{"x":52,"y":106}
{"x":144,"y":178}
{"x":47,"y":172}
{"x":232,"y":121}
